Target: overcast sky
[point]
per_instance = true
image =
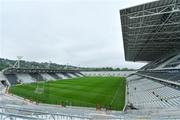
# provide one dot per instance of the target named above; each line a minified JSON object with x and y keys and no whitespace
{"x":76,"y":32}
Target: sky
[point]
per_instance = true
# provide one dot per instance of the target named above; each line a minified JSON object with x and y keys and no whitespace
{"x":74,"y":32}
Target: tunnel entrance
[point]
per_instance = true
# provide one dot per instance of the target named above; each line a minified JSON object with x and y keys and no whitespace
{"x":3,"y":82}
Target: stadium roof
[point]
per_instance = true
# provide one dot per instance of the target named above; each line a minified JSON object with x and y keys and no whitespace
{"x":151,"y":30}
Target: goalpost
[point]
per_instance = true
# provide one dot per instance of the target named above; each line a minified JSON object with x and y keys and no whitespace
{"x":39,"y":86}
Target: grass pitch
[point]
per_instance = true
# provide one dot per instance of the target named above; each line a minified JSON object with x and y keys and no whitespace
{"x":86,"y":91}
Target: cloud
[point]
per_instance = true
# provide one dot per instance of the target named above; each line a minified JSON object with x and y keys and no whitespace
{"x":77,"y":32}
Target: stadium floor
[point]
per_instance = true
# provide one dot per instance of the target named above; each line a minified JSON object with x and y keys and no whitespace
{"x":107,"y":92}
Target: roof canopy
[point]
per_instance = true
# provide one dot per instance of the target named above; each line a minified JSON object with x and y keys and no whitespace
{"x":151,"y":30}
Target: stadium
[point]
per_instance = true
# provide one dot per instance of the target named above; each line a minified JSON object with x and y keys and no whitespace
{"x":151,"y":33}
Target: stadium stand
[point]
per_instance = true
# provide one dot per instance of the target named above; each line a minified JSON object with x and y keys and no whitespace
{"x":56,"y":77}
{"x":145,"y":93}
{"x":66,"y":75}
{"x":75,"y":74}
{"x":107,"y":73}
{"x":80,"y":74}
{"x":23,"y":75}
{"x":72,"y":75}
{"x":25,"y":78}
{"x":47,"y":77}
{"x":170,"y":75}
{"x":62,"y":76}
{"x":12,"y":78}
{"x":151,"y":34}
{"x":36,"y":76}
{"x":158,"y":62}
{"x":173,"y":63}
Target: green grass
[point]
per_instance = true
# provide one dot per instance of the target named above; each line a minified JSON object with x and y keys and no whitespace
{"x":86,"y":91}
